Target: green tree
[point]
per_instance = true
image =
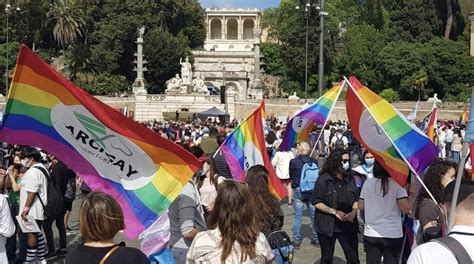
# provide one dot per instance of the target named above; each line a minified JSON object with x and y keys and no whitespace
{"x":390,"y":95}
{"x":69,"y":20}
{"x":274,"y":63}
{"x":163,"y":52}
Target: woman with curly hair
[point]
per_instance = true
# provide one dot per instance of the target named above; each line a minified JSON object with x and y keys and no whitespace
{"x":427,"y":211}
{"x":233,"y":235}
{"x":335,"y":197}
{"x":270,"y":216}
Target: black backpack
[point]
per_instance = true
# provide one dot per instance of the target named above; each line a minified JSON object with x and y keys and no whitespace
{"x":339,"y":144}
{"x":54,"y":207}
{"x":280,"y":241}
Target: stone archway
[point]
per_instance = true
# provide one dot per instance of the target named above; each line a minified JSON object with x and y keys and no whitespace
{"x":232,"y":29}
{"x":216,"y":28}
{"x":249,"y":24}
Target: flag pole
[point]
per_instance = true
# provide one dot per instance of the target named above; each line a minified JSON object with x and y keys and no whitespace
{"x":393,"y":144}
{"x":462,"y":163}
{"x":327,"y":119}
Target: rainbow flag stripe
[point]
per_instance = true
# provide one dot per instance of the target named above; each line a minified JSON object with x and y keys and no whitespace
{"x":110,"y":152}
{"x":245,"y":147}
{"x":397,"y":144}
{"x":463,"y":118}
{"x":432,"y":123}
{"x":300,"y":126}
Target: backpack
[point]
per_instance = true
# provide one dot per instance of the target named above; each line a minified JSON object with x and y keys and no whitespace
{"x":339,"y":144}
{"x":281,"y":245}
{"x":308,"y":177}
{"x":54,"y":205}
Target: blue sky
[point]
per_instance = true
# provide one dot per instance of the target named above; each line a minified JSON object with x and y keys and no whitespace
{"x":262,"y":4}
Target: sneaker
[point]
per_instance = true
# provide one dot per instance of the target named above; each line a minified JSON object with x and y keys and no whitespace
{"x":315,"y":243}
{"x":50,"y":256}
{"x":61,"y":252}
{"x":296,"y":246}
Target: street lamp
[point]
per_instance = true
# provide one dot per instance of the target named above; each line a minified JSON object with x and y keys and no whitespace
{"x":8,"y":11}
{"x":224,"y":90}
{"x":307,"y":12}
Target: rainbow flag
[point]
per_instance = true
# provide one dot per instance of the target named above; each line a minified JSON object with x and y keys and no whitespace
{"x":463,"y":118}
{"x":432,"y":123}
{"x":397,"y":145}
{"x":245,"y":147}
{"x":109,"y":151}
{"x":301,"y":125}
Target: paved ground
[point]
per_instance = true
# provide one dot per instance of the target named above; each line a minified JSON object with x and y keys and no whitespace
{"x":306,"y":254}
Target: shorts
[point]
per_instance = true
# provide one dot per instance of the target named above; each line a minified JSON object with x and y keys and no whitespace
{"x":285,"y":181}
{"x":67,"y":205}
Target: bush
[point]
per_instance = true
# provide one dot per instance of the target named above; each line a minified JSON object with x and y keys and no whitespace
{"x":390,"y":95}
{"x":104,"y":84}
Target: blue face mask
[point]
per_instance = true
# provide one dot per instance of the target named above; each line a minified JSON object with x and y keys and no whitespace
{"x":369,"y":161}
{"x":24,"y":163}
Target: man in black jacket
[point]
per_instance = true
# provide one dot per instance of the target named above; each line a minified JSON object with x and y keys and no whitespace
{"x":60,"y":174}
{"x":301,"y":198}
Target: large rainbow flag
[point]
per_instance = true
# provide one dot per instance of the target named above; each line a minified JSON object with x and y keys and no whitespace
{"x":245,"y":147}
{"x":301,"y":125}
{"x":110,"y":152}
{"x":396,"y":144}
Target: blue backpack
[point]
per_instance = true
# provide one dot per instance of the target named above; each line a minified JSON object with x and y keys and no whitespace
{"x":309,"y":175}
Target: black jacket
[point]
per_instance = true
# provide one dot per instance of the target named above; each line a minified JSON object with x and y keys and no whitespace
{"x":325,"y":192}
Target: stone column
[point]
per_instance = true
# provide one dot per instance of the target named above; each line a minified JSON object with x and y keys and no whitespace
{"x":139,"y":83}
{"x":471,"y":18}
{"x":224,"y":28}
{"x":257,"y":84}
{"x":240,"y":29}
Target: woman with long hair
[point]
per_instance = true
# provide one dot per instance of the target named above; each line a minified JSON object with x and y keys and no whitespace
{"x":271,"y":142}
{"x":207,"y":184}
{"x":270,"y":216}
{"x":427,"y":211}
{"x":233,"y":235}
{"x":335,"y":196}
{"x":381,"y":203}
{"x":100,"y":219}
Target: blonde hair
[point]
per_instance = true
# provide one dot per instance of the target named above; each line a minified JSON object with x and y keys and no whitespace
{"x":100,"y":217}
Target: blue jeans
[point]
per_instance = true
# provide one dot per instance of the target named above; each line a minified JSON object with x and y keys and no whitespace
{"x":298,"y":202}
{"x":456,"y":156}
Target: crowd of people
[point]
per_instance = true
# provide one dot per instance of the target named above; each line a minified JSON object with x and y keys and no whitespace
{"x":216,"y":219}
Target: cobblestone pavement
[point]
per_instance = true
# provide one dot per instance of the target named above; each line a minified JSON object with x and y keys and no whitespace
{"x":307,"y":253}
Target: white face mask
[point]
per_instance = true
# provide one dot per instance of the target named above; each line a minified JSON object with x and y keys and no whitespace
{"x":345,"y":165}
{"x":205,"y":169}
{"x":25,"y":163}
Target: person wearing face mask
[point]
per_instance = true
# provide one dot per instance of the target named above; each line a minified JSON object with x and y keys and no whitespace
{"x":365,"y":170}
{"x":458,"y":246}
{"x":207,"y":185}
{"x":427,"y":211}
{"x":32,"y":197}
{"x":335,"y":196}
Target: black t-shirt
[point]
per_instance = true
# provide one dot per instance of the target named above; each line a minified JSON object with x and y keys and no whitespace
{"x":85,"y":255}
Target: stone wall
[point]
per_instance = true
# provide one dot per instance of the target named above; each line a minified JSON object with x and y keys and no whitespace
{"x":285,"y":107}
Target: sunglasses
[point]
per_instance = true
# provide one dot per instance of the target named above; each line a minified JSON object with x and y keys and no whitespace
{"x":344,"y":160}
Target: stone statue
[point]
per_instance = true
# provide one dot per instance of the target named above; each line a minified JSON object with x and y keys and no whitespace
{"x":141,"y":32}
{"x":186,"y":71}
{"x":173,"y":84}
{"x":435,"y":99}
{"x":199,"y":86}
{"x":257,"y":32}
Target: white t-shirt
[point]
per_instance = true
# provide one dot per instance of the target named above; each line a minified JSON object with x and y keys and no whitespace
{"x":281,"y":163}
{"x":7,"y":227}
{"x":336,"y":137}
{"x":34,"y":181}
{"x":434,"y":252}
{"x":382,"y":215}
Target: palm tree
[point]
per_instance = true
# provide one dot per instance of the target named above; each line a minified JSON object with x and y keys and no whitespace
{"x":69,"y":21}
